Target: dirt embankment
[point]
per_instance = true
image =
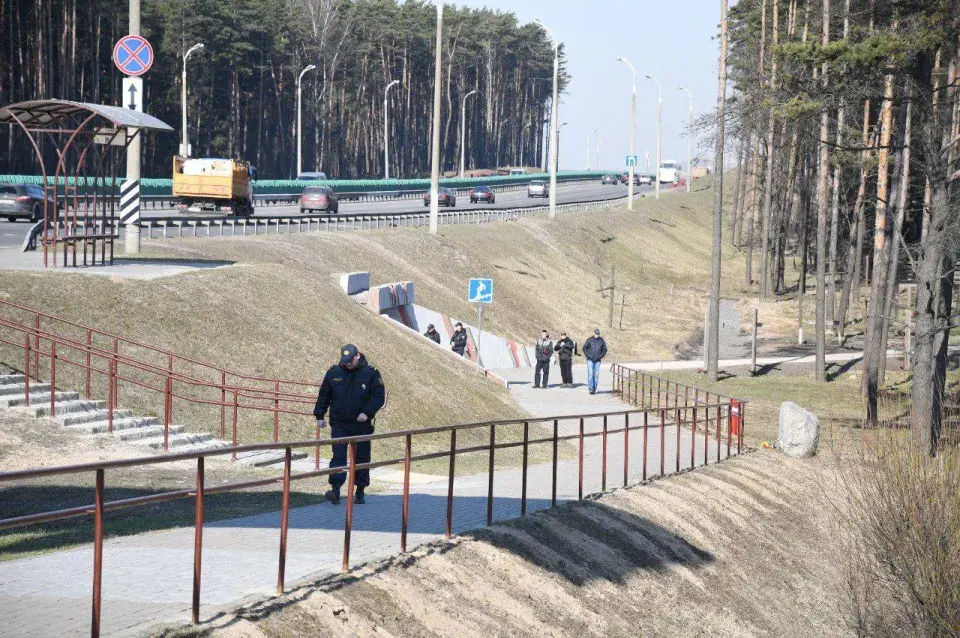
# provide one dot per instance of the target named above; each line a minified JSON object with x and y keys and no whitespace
{"x":744,"y":548}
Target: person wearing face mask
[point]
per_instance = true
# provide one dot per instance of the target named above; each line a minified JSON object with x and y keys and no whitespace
{"x":544,"y":352}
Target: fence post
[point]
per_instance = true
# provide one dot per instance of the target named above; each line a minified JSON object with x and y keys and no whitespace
{"x":223,"y":401}
{"x":405,"y":514}
{"x":663,"y":434}
{"x":719,"y":430}
{"x":493,"y":434}
{"x":729,"y":429}
{"x":626,"y":449}
{"x":53,"y":379}
{"x":348,"y":525}
{"x":26,"y":368}
{"x":89,"y":362}
{"x":97,"y":551}
{"x":603,"y":457}
{"x":453,"y":458}
{"x":646,"y":424}
{"x":116,"y":372}
{"x":284,"y":520}
{"x":580,"y":463}
{"x":236,"y":408}
{"x":197,"y":541}
{"x":523,"y":481}
{"x":276,"y":407}
{"x":36,"y":347}
{"x":677,"y":417}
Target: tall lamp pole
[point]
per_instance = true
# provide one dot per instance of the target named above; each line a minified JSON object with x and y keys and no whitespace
{"x":463,"y":131}
{"x":299,"y":118}
{"x":523,"y":138}
{"x":588,"y":147}
{"x":659,"y":122}
{"x":435,"y":151}
{"x":184,"y":148}
{"x":689,"y":141}
{"x":554,"y":116}
{"x":633,"y":131}
{"x":386,"y":130}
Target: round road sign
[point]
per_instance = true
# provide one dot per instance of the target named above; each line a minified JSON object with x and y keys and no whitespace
{"x":133,"y":55}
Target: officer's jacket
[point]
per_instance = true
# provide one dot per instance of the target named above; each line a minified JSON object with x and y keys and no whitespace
{"x":348,"y":393}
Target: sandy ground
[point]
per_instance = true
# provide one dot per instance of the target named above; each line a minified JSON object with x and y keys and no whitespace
{"x":743,"y":548}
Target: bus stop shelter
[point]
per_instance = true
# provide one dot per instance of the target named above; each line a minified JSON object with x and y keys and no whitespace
{"x":80,"y":148}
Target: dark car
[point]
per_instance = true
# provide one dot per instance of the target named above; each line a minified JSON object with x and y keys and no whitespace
{"x":609,"y":179}
{"x":445,"y":197}
{"x":319,"y":198}
{"x":625,"y":178}
{"x":21,"y":201}
{"x":482,"y":194}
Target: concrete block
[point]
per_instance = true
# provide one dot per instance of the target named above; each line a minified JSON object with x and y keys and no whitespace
{"x":388,"y":296}
{"x":354,"y":282}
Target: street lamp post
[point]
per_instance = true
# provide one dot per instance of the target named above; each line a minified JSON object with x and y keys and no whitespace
{"x":599,"y":144}
{"x":299,"y":119}
{"x":523,"y":144}
{"x":463,"y":131}
{"x":435,"y":151}
{"x":184,"y":148}
{"x":689,"y":141}
{"x":386,"y":130}
{"x":656,"y":179}
{"x":588,"y":147}
{"x":559,"y":130}
{"x":554,"y":116}
{"x":633,"y":131}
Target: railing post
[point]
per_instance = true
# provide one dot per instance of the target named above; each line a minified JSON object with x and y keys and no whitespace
{"x":276,"y":410}
{"x":348,"y":525}
{"x":743,"y":410}
{"x":729,"y":429}
{"x":284,"y":519}
{"x":603,"y":457}
{"x":167,"y":408}
{"x":197,"y":541}
{"x":693,"y":440}
{"x":26,"y":368}
{"x":663,"y":421}
{"x":626,"y":449}
{"x":553,"y":489}
{"x":646,"y":427}
{"x":523,"y":481}
{"x":110,"y":386}
{"x":36,"y":347}
{"x":493,"y":434}
{"x":97,"y":552}
{"x":453,"y":458}
{"x":89,"y":363}
{"x":643,"y":389}
{"x":706,"y":433}
{"x":658,"y":393}
{"x":116,"y":372}
{"x":719,"y":431}
{"x":223,"y":403}
{"x":580,"y":463}
{"x":405,"y":515}
{"x":236,"y":408}
{"x":53,"y":379}
{"x":677,"y":417}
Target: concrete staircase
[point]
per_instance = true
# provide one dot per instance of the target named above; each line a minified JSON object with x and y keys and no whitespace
{"x":92,"y":418}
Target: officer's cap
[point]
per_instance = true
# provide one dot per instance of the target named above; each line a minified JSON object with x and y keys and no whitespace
{"x":347,"y":353}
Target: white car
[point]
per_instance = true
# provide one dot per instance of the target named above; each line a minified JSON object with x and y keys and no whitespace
{"x":538,"y":188}
{"x":644,"y":179}
{"x":669,"y":172}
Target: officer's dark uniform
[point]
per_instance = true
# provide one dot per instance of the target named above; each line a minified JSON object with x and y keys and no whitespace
{"x":432,"y":334}
{"x":459,"y":341}
{"x":348,"y":394}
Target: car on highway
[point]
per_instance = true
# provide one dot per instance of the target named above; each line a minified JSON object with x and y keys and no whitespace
{"x":644,"y":179}
{"x":23,"y":201}
{"x":669,"y":172}
{"x":318,"y":176}
{"x":482,"y":194}
{"x":319,"y":198}
{"x":538,"y":188}
{"x":445,"y":197}
{"x":609,"y":179}
{"x":625,"y":178}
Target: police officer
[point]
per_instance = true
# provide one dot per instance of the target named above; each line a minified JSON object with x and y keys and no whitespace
{"x":353,"y":391}
{"x":458,"y":341}
{"x":432,"y":334}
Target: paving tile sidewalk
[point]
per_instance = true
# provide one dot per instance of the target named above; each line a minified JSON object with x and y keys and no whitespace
{"x":147,"y":578}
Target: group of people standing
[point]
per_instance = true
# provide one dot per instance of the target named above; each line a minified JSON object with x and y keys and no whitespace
{"x":594,"y":350}
{"x":458,"y":342}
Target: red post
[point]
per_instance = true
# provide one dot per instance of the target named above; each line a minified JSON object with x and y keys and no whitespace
{"x":603,"y":457}
{"x":493,"y":435}
{"x":284,"y":520}
{"x":677,"y":416}
{"x":693,"y":440}
{"x":97,"y":552}
{"x":626,"y":449}
{"x":236,"y":408}
{"x":453,"y":458}
{"x":719,"y":430}
{"x":646,"y":425}
{"x":89,"y":362}
{"x":658,"y":393}
{"x":523,"y":481}
{"x":743,"y":410}
{"x":26,"y":369}
{"x":116,"y":371}
{"x":348,"y":525}
{"x":553,"y":489}
{"x":36,"y":347}
{"x":706,"y":435}
{"x":580,"y":492}
{"x":276,"y":412}
{"x":197,"y":542}
{"x":663,"y":425}
{"x":53,"y":379}
{"x":405,"y":513}
{"x":729,"y":429}
{"x":223,"y":405}
{"x":110,"y":386}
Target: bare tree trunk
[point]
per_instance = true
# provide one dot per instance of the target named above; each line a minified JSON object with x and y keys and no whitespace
{"x":765,"y":286}
{"x":822,"y":204}
{"x":751,"y":220}
{"x":713,"y":323}
{"x":738,"y":192}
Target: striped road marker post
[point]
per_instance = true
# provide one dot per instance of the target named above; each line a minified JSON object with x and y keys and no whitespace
{"x":130,"y":202}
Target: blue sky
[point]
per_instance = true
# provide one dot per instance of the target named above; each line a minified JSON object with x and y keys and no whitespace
{"x":669,"y":39}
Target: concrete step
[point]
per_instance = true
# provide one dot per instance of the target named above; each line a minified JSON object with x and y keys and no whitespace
{"x":147,"y":432}
{"x":6,"y":379}
{"x":262,"y":458}
{"x":178,"y":441}
{"x":91,"y":416}
{"x":119,"y":425}
{"x":13,"y":389}
{"x":17,"y":401}
{"x":64,"y":408}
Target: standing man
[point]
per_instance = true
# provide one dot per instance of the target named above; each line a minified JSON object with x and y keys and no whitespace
{"x":432,"y":334}
{"x":594,"y":349}
{"x":354,"y":392}
{"x":544,"y":352}
{"x":566,"y":348}
{"x":458,"y":341}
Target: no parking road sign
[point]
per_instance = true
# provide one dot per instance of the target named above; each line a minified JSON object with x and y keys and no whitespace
{"x":133,"y":55}
{"x":481,"y":291}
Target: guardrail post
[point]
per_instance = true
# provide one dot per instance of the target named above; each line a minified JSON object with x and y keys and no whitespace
{"x":580,"y":463}
{"x":97,"y":552}
{"x":167,"y":406}
{"x":719,"y":430}
{"x":36,"y":347}
{"x":646,"y":427}
{"x":116,"y":372}
{"x":348,"y":525}
{"x":626,"y":449}
{"x":693,"y":440}
{"x":26,"y":368}
{"x":284,"y":519}
{"x":406,"y":495}
{"x":677,"y":417}
{"x":53,"y":379}
{"x":729,"y":428}
{"x":236,"y":409}
{"x":197,"y":541}
{"x":523,"y":481}
{"x":89,"y":362}
{"x":553,"y":489}
{"x":493,"y":439}
{"x":706,"y":432}
{"x":453,"y":458}
{"x":663,"y":425}
{"x":223,"y":403}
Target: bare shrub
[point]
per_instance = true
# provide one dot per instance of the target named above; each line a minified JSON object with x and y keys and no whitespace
{"x":901,"y":530}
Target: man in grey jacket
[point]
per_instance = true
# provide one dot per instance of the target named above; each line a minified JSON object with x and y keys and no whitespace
{"x":544,"y":352}
{"x":594,"y":349}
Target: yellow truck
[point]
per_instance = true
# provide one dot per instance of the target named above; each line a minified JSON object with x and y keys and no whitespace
{"x":221,"y":185}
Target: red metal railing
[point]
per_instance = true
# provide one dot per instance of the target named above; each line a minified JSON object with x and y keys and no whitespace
{"x":49,"y":346}
{"x":693,"y":414}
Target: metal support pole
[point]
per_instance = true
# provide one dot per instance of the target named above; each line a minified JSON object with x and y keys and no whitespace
{"x":386,"y":130}
{"x":435,"y":152}
{"x":132,"y":231}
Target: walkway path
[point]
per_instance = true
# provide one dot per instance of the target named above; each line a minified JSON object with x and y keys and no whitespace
{"x":148,"y":577}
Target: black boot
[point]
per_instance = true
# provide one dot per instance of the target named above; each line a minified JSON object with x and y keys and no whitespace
{"x":333,"y":495}
{"x":359,"y":498}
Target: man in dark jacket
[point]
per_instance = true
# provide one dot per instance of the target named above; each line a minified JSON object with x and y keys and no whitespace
{"x":566,"y":348}
{"x":544,"y":352}
{"x":432,"y":334}
{"x":354,"y":393}
{"x":458,"y":341}
{"x":594,"y":349}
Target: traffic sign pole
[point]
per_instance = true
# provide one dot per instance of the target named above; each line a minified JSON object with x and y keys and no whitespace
{"x":132,"y":230}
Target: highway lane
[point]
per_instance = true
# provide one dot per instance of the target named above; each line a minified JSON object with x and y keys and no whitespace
{"x":13,"y":233}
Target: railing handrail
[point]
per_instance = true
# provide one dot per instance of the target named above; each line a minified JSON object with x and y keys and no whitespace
{"x":616,"y":369}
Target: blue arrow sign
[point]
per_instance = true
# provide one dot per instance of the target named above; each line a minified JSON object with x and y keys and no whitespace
{"x":481,"y":291}
{"x":631,"y":161}
{"x":133,"y":55}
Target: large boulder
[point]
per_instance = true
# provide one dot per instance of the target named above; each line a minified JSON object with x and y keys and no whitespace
{"x":799,"y":433}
